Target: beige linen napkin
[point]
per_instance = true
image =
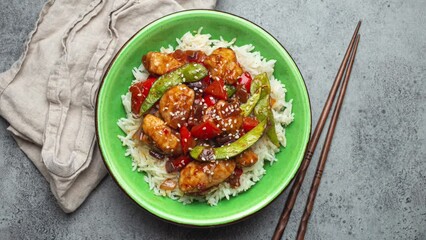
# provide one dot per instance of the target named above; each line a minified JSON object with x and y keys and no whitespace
{"x":48,"y":95}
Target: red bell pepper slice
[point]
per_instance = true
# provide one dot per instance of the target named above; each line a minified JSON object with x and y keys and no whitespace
{"x":245,"y":80}
{"x":209,"y":100}
{"x":217,"y":89}
{"x":249,"y":123}
{"x":186,"y":139}
{"x":206,"y":79}
{"x":139,"y":92}
{"x":205,"y":130}
{"x":174,"y":165}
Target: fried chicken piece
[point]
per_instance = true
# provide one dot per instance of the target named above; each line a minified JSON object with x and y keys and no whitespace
{"x":223,"y":64}
{"x":160,"y":63}
{"x":226,"y":115}
{"x":175,"y":105}
{"x":197,"y":177}
{"x":246,"y":159}
{"x":161,"y":135}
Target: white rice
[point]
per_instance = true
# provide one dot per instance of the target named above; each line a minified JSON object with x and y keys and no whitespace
{"x":155,"y":170}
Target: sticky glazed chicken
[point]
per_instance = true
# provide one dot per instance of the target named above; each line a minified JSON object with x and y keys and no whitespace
{"x":200,"y":176}
{"x":223,"y":64}
{"x":161,"y":135}
{"x":176,"y":104}
{"x":160,"y":63}
{"x":200,"y":115}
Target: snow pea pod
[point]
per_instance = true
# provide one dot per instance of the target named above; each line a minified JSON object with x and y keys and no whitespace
{"x":263,"y":110}
{"x":191,"y":72}
{"x":271,"y":132}
{"x":247,"y":108}
{"x":259,"y":81}
{"x":203,"y":153}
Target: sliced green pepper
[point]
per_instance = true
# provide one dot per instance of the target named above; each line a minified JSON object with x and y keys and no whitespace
{"x":230,"y":90}
{"x":247,"y":108}
{"x":263,"y":110}
{"x":233,"y":149}
{"x":191,"y":72}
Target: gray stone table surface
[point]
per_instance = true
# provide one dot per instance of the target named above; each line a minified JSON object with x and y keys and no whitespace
{"x":375,"y":179}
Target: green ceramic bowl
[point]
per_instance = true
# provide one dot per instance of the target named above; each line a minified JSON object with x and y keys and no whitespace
{"x":116,"y":81}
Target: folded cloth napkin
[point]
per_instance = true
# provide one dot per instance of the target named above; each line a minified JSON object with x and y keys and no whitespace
{"x":48,"y":95}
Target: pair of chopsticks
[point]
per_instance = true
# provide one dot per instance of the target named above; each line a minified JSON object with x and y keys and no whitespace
{"x":346,"y":65}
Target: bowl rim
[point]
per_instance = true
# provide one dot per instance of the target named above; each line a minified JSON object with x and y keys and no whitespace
{"x":214,"y":11}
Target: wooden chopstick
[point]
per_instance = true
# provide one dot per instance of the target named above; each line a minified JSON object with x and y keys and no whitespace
{"x":324,"y":153}
{"x":291,"y":199}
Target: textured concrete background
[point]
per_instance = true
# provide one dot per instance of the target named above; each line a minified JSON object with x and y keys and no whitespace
{"x":374,"y":183}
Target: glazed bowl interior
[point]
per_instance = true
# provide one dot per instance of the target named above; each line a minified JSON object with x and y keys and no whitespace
{"x":118,"y":79}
